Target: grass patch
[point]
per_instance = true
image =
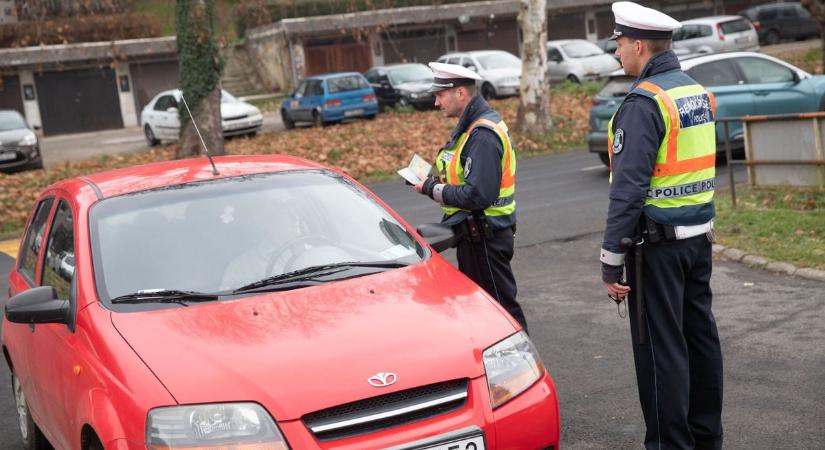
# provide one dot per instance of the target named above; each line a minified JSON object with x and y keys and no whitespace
{"x":586,"y":88}
{"x":809,"y":60}
{"x":779,"y":224}
{"x":164,"y":10}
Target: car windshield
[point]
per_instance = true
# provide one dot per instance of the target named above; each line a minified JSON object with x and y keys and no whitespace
{"x":408,"y":74}
{"x":226,"y":97}
{"x":220,"y":235}
{"x":498,"y":60}
{"x":581,"y":49}
{"x":11,"y":120}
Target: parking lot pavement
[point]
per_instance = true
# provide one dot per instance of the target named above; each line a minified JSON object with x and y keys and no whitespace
{"x":74,"y":147}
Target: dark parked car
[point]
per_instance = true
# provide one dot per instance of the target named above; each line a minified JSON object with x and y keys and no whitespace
{"x":778,"y":21}
{"x":402,"y":85}
{"x":744,"y":83}
{"x":328,"y":98}
{"x":19,"y":148}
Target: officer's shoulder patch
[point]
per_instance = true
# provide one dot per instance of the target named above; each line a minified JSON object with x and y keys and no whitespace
{"x":618,"y":141}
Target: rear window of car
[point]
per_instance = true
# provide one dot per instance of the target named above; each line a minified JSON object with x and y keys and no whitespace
{"x":692,"y":31}
{"x":617,"y":87}
{"x":735,"y":26}
{"x":344,"y":84}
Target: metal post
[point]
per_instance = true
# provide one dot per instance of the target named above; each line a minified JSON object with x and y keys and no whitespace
{"x":819,"y":152}
{"x":729,"y":158}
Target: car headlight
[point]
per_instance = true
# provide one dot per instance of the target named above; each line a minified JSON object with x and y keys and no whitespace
{"x":29,"y":139}
{"x":512,"y":366}
{"x":240,"y":426}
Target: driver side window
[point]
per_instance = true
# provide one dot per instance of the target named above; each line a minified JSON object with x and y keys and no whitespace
{"x":59,"y":263}
{"x":759,"y":70}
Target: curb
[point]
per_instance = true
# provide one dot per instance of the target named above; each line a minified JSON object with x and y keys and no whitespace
{"x":759,"y":262}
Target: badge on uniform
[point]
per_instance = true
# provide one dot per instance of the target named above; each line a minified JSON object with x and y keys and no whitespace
{"x":618,"y":141}
{"x":446,"y":156}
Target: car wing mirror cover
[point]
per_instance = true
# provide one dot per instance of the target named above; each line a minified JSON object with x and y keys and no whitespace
{"x":439,"y":236}
{"x":37,"y":305}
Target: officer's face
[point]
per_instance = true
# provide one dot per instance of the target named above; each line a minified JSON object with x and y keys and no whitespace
{"x":450,"y":101}
{"x":629,"y":52}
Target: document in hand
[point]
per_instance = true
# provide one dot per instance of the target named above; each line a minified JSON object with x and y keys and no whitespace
{"x":417,"y":171}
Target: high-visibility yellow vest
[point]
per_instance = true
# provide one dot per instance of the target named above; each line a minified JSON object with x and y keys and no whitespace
{"x":686,"y":161}
{"x":451,"y":171}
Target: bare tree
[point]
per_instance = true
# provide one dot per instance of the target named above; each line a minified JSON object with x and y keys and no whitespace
{"x":817,"y":9}
{"x":534,"y":107}
{"x":200,"y":74}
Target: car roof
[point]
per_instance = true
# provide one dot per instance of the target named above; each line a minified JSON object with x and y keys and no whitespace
{"x":395,"y":66}
{"x":170,"y":173}
{"x":694,"y":59}
{"x":711,"y":19}
{"x":326,"y":76}
{"x":567,"y":41}
{"x":472,"y":53}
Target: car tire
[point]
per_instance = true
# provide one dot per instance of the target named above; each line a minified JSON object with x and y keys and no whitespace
{"x":30,"y":434}
{"x":488,"y":91}
{"x":288,"y":124}
{"x":317,"y":120}
{"x":573,"y":79}
{"x":403,"y":102}
{"x":370,"y":116}
{"x":605,"y":159}
{"x":772,"y":37}
{"x":150,"y":136}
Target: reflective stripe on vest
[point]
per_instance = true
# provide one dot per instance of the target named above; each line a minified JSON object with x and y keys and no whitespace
{"x":686,"y":161}
{"x":449,"y":167}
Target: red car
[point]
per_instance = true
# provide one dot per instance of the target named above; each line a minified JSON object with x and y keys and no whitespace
{"x":275,"y":305}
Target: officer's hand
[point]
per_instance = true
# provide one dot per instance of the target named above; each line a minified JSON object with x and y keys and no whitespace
{"x":426,"y":186}
{"x":617,"y":291}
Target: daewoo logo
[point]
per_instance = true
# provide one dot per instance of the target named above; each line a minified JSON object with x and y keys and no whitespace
{"x":382,"y":379}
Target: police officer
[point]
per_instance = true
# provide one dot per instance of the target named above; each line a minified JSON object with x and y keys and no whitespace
{"x":476,"y":183}
{"x":662,"y":162}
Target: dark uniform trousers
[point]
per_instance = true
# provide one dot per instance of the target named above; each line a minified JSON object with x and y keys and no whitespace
{"x":679,"y":368}
{"x":487,"y":262}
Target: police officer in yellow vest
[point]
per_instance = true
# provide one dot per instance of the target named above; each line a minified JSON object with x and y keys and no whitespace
{"x":476,"y":185}
{"x":662,"y":146}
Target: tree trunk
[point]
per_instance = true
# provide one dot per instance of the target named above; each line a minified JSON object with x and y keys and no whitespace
{"x":534,"y":106}
{"x":817,"y":9}
{"x":200,"y":74}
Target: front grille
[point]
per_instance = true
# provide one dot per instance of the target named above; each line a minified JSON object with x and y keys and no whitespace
{"x":387,"y":411}
{"x":242,"y":116}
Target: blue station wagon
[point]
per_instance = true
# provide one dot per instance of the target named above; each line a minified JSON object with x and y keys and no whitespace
{"x":744,"y":83}
{"x":323,"y":99}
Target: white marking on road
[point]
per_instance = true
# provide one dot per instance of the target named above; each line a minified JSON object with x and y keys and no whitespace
{"x":126,"y":140}
{"x":589,"y":168}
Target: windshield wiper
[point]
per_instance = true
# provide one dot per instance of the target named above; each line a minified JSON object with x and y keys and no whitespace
{"x":165,"y":296}
{"x":311,"y":273}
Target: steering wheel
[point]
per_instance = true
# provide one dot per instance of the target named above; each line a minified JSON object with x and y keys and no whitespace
{"x":295,"y":246}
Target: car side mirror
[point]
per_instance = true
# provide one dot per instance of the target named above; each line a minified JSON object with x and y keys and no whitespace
{"x":473,"y":68}
{"x":38,"y":305}
{"x":439,"y":236}
{"x":172,"y":109}
{"x":796,"y":78}
{"x":36,"y":127}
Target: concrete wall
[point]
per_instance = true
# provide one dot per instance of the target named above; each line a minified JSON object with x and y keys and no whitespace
{"x":272,"y":59}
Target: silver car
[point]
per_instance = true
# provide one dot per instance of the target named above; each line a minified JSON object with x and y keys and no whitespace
{"x":578,"y":60}
{"x":716,"y":34}
{"x":500,"y":71}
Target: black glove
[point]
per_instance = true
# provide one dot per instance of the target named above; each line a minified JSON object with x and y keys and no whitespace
{"x":611,"y":274}
{"x":429,"y":184}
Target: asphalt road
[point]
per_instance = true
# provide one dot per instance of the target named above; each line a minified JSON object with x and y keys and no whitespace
{"x":772,"y":327}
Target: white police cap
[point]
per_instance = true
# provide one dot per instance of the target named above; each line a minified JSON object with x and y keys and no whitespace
{"x":446,"y":76}
{"x":636,"y":21}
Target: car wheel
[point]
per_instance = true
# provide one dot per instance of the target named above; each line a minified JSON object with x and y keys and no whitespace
{"x":150,"y":136}
{"x":288,"y":124}
{"x":403,"y":102}
{"x":488,"y":91}
{"x":370,"y":116}
{"x":317,"y":120}
{"x":32,"y":437}
{"x":573,"y":79}
{"x":605,"y":159}
{"x":772,"y":37}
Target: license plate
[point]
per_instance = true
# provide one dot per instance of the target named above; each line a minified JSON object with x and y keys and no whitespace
{"x":7,"y":156}
{"x":742,"y":39}
{"x":294,"y":104}
{"x":471,"y":443}
{"x":354,"y":112}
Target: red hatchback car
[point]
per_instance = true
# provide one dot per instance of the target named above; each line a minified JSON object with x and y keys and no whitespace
{"x":277,"y":305}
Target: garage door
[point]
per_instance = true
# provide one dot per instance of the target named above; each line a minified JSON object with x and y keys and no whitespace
{"x":151,"y":78}
{"x":340,"y":57}
{"x":75,"y":101}
{"x":10,"y":94}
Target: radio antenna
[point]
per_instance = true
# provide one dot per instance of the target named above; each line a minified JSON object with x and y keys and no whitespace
{"x":206,"y":150}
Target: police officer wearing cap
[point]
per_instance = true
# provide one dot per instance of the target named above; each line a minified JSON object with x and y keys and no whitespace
{"x":476,"y":185}
{"x":662,"y":146}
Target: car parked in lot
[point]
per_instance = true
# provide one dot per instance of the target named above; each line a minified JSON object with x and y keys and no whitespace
{"x":402,"y":85}
{"x":500,"y":71}
{"x":743,"y":83}
{"x":161,"y":121}
{"x":778,"y":21}
{"x":276,"y":305}
{"x":716,"y":34}
{"x":324,"y":99}
{"x":19,"y":147}
{"x":578,"y":60}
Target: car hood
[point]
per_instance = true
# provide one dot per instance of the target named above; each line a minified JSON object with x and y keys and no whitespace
{"x":300,"y":351}
{"x":598,"y":64}
{"x":12,"y":137}
{"x":415,"y":86}
{"x":235,"y":109}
